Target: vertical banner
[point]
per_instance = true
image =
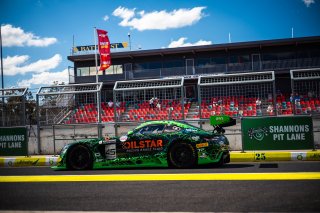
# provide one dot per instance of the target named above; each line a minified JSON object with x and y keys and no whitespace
{"x":104,"y":49}
{"x":277,"y":133}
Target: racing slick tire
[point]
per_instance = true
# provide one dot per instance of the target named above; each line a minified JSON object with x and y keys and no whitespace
{"x":225,"y":158}
{"x":79,"y":158}
{"x":182,"y":155}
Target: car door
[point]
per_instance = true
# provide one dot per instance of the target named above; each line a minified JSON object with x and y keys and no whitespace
{"x":147,"y":140}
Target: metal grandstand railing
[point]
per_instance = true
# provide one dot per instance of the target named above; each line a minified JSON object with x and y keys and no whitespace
{"x":152,"y":99}
{"x":305,"y":74}
{"x":242,"y":78}
{"x":305,"y":86}
{"x":55,"y":102}
{"x":69,"y":105}
{"x":237,"y":95}
{"x":150,"y":83}
{"x":12,"y":107}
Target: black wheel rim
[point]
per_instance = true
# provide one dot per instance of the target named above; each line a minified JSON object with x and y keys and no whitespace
{"x":182,"y":156}
{"x":79,"y":158}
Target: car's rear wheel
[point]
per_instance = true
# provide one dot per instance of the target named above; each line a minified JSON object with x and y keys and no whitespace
{"x":79,"y":158}
{"x":182,"y":155}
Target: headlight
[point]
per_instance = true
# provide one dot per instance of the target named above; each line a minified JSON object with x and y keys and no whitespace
{"x":64,"y":149}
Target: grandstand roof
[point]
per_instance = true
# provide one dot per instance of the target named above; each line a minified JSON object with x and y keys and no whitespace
{"x":203,"y":48}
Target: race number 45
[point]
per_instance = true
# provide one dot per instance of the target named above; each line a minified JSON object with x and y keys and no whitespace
{"x":110,"y":150}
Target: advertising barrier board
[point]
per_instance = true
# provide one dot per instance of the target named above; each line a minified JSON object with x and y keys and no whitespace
{"x":13,"y":141}
{"x":277,"y":133}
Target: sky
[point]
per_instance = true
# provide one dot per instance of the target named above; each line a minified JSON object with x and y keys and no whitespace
{"x":38,"y":35}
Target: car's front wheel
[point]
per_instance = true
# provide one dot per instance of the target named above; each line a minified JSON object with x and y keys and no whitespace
{"x":182,"y":155}
{"x":79,"y":158}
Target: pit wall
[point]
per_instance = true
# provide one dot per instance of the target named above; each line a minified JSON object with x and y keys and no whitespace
{"x":65,"y":135}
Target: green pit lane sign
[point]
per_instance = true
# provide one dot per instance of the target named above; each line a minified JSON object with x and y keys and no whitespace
{"x":13,"y":141}
{"x":277,"y":133}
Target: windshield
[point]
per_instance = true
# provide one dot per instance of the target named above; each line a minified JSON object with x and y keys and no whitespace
{"x":190,"y":126}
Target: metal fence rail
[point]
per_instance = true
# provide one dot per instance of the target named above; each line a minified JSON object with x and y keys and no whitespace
{"x":13,"y":107}
{"x":305,"y":86}
{"x":153,"y":99}
{"x":68,"y":104}
{"x":237,"y":95}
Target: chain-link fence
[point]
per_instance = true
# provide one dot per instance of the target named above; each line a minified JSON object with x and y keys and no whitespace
{"x":153,"y":99}
{"x":13,"y":107}
{"x":69,"y":104}
{"x":237,"y":95}
{"x":305,"y":85}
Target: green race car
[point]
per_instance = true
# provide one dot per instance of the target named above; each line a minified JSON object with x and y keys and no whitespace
{"x":152,"y":144}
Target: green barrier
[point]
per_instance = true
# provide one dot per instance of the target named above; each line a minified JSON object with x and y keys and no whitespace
{"x":277,"y":133}
{"x":13,"y":141}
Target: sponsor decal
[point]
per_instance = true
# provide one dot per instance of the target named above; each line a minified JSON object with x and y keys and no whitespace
{"x":298,"y":155}
{"x":203,"y":155}
{"x":195,"y":138}
{"x":123,"y":138}
{"x":201,"y":145}
{"x":289,"y":132}
{"x":258,"y":134}
{"x":142,"y":145}
{"x":315,"y":156}
{"x":190,"y":130}
{"x":280,"y":133}
{"x":176,"y":128}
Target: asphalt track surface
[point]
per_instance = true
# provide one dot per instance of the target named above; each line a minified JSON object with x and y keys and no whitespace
{"x":300,"y":195}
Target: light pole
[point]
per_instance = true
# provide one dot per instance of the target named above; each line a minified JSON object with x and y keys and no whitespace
{"x":1,"y":58}
{"x":129,"y":36}
{"x":2,"y":84}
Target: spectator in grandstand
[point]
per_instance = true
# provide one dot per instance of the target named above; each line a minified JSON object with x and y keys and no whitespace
{"x":117,"y":104}
{"x":279,"y":108}
{"x":110,"y":104}
{"x":291,"y":98}
{"x":151,"y":102}
{"x":158,"y":106}
{"x":214,"y":103}
{"x":311,"y":94}
{"x":156,"y":100}
{"x":297,"y":101}
{"x":270,"y":109}
{"x":170,"y":112}
{"x":296,"y":98}
{"x":258,"y":103}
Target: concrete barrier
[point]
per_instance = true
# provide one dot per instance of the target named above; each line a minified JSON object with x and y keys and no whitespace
{"x":262,"y":156}
{"x":20,"y":161}
{"x":256,"y":156}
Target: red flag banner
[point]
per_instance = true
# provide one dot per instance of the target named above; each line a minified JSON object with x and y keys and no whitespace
{"x":104,"y":49}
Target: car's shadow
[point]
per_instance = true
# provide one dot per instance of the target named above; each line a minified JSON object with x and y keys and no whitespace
{"x":225,"y":167}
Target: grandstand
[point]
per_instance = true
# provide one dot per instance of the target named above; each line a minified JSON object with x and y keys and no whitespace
{"x":259,"y":78}
{"x":236,"y":95}
{"x":248,"y":79}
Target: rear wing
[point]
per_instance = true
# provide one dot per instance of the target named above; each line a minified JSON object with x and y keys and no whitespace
{"x":222,"y":121}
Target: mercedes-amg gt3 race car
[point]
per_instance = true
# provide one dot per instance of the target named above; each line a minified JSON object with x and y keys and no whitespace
{"x":152,"y":144}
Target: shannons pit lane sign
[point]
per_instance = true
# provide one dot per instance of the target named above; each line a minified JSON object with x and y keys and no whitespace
{"x":277,"y":133}
{"x":13,"y":141}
